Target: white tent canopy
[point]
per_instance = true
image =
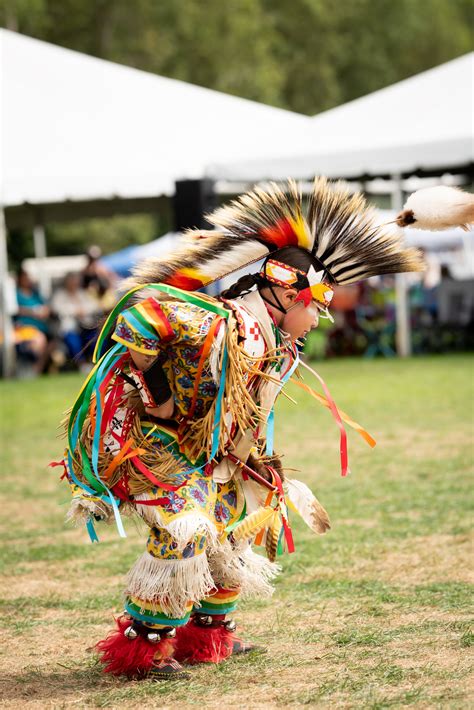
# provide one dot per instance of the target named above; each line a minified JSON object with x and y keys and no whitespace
{"x":80,"y":128}
{"x":422,"y":123}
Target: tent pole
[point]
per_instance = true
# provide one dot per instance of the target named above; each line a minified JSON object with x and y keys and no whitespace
{"x":402,"y":310}
{"x":39,"y":239}
{"x":8,"y":347}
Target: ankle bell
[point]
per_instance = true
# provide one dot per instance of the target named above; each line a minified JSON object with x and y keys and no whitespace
{"x":152,"y":635}
{"x":203,"y":619}
{"x":130,"y":633}
{"x":209,"y":621}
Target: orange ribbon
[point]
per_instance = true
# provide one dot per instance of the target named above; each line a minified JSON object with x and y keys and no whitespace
{"x":204,"y":353}
{"x":345,"y":417}
{"x":122,"y":455}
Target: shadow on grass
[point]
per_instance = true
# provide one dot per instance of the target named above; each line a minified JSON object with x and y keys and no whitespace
{"x":49,"y":685}
{"x":85,"y":684}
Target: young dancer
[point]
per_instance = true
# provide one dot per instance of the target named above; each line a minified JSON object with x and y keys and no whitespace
{"x":175,"y":422}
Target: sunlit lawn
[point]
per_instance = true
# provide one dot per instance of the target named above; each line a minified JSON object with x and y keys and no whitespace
{"x":373,"y":615}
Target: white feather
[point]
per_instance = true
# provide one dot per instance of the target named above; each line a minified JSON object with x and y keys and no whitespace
{"x":440,"y":207}
{"x":307,"y":505}
{"x":238,"y":256}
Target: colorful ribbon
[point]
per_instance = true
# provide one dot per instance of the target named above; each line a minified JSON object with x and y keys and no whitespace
{"x":270,"y":432}
{"x":93,"y":383}
{"x":345,"y":417}
{"x":96,"y":384}
{"x":164,"y":288}
{"x":337,"y":417}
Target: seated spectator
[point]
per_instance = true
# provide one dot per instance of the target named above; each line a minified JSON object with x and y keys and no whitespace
{"x":32,"y":333}
{"x":98,"y":280}
{"x":78,"y":313}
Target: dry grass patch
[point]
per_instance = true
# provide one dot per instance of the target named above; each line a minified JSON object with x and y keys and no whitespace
{"x":422,"y":559}
{"x":374,"y":615}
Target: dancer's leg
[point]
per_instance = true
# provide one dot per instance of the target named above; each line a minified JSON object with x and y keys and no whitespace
{"x":162,"y":586}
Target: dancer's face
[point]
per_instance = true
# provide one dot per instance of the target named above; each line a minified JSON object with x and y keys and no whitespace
{"x":298,"y":319}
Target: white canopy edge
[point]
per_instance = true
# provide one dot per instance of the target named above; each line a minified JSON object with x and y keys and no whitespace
{"x":422,"y":123}
{"x":80,"y":128}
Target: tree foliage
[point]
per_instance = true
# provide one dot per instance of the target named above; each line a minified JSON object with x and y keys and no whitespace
{"x":303,"y":55}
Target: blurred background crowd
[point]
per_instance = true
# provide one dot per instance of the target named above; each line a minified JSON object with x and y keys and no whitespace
{"x":57,"y":333}
{"x":377,"y":93}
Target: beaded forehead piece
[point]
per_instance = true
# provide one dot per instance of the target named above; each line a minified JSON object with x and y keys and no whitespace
{"x":312,"y":285}
{"x":338,"y":229}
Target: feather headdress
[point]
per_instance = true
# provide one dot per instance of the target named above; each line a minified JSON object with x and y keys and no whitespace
{"x":338,"y":229}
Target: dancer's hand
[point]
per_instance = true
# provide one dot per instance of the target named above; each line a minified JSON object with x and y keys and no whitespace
{"x":163,"y":411}
{"x":260,"y":465}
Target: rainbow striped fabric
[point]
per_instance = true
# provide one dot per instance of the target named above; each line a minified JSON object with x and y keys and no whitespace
{"x":151,"y":613}
{"x":223,"y":601}
{"x":143,"y":327}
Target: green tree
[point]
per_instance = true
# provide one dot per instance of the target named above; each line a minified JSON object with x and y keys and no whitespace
{"x":305,"y":55}
{"x":333,"y":52}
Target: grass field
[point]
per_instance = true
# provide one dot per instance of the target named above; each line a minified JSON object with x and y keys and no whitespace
{"x":373,"y":615}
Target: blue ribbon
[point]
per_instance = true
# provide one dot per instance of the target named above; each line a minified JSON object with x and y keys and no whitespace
{"x":217,"y":416}
{"x":105,"y":364}
{"x":271,"y":416}
{"x":270,"y":432}
{"x":108,"y":499}
{"x":91,"y":530}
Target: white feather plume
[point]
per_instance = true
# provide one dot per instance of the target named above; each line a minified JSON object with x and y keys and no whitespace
{"x":437,"y":208}
{"x":307,"y":505}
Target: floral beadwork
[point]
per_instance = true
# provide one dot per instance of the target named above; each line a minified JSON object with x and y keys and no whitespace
{"x":200,"y":494}
{"x":162,"y":545}
{"x":135,"y":339}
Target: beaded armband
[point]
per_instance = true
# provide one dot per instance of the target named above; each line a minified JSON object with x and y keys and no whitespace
{"x":152,"y":384}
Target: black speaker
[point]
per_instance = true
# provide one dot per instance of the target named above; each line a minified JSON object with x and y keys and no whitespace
{"x":192,"y":200}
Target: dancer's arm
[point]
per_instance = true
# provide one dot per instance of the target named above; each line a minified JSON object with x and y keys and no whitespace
{"x":144,"y":329}
{"x":153,"y":385}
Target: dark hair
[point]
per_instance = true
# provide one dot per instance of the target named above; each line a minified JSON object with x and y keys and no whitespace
{"x":293,"y":256}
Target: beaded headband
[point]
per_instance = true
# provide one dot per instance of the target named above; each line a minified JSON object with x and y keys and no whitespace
{"x":311,"y":285}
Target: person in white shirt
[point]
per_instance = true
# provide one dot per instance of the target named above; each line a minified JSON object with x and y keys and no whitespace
{"x":78,"y":313}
